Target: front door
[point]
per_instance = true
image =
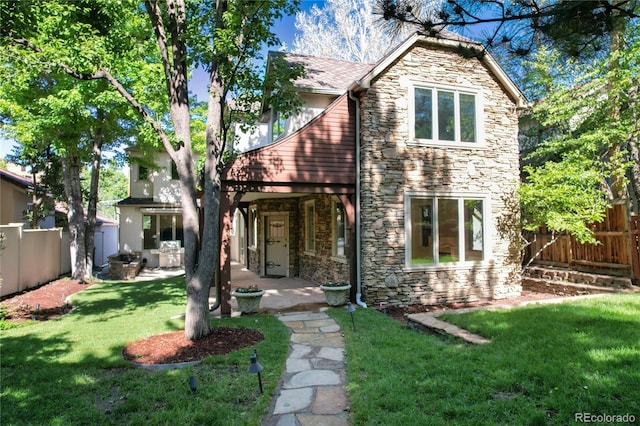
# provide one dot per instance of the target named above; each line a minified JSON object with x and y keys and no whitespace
{"x":277,"y":245}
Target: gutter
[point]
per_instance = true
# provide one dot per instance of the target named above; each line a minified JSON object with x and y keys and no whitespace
{"x":357,"y":212}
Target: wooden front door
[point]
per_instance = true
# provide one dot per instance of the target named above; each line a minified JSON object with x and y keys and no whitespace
{"x":276,"y":245}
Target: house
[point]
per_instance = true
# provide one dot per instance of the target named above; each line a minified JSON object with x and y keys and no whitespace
{"x":398,"y":177}
{"x":151,"y":217}
{"x":15,"y":187}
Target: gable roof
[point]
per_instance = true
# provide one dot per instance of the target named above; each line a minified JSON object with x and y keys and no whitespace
{"x":447,"y":40}
{"x":325,"y":75}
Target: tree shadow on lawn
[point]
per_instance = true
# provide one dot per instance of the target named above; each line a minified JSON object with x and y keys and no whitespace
{"x":107,"y":300}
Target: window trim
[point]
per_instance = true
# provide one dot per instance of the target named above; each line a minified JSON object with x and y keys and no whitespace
{"x":307,"y":240}
{"x":335,"y":203}
{"x":253,"y":227}
{"x":457,"y":90}
{"x":460,"y":197}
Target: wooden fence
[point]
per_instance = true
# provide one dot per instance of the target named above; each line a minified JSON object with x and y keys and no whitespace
{"x":617,"y":254}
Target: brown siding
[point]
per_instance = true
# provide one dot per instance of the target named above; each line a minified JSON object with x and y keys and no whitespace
{"x":322,"y":152}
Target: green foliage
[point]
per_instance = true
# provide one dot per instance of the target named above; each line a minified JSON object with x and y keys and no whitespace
{"x":564,"y":196}
{"x":543,"y":365}
{"x":113,"y":187}
{"x":579,"y":159}
{"x":79,"y":357}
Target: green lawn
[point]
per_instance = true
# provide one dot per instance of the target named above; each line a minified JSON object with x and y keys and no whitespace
{"x":544,"y":365}
{"x":70,"y":371}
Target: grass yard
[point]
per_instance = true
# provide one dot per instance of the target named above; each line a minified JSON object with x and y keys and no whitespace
{"x":544,"y":365}
{"x":70,"y":371}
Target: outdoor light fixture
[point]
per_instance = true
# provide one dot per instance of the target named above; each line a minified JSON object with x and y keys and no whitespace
{"x":255,"y":367}
{"x":192,"y":384}
{"x":351,"y":309}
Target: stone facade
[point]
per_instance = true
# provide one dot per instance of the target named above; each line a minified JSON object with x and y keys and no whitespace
{"x":392,"y":166}
{"x":317,"y":266}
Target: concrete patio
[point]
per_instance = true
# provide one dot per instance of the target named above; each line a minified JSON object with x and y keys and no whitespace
{"x":281,"y":294}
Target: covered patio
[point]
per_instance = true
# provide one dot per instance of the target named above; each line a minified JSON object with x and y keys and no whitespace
{"x":281,"y":294}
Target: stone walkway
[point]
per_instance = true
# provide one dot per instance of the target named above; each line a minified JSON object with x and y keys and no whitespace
{"x":312,"y":390}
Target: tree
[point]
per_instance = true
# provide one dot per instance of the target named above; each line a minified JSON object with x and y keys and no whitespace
{"x":46,"y":109}
{"x":112,"y":187}
{"x":593,"y":123}
{"x":347,"y":30}
{"x":576,"y":27}
{"x":225,"y":38}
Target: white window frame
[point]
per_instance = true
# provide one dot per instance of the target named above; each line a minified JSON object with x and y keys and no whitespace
{"x":253,"y":227}
{"x":460,"y":197}
{"x":479,"y":109}
{"x":309,"y":241}
{"x":334,"y":231}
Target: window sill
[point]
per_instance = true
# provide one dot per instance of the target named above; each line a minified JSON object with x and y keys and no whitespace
{"x":480,"y":265}
{"x":447,"y":144}
{"x":339,"y":259}
{"x":253,"y":248}
{"x":310,"y":253}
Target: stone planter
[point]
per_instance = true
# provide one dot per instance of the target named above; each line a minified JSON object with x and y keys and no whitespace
{"x":336,"y":295}
{"x":248,"y":303}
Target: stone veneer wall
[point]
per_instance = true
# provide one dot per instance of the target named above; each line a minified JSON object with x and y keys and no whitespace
{"x":391,"y":166}
{"x":317,"y":267}
{"x":320,"y":266}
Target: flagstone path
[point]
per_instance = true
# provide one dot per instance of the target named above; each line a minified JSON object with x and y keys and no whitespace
{"x":312,"y":390}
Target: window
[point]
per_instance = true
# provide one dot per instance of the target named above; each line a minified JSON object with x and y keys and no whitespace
{"x":310,"y":226}
{"x":161,"y":227}
{"x":277,"y":125}
{"x":143,"y":172}
{"x":445,"y":115}
{"x":443,"y":230}
{"x":340,"y":237}
{"x":253,"y":227}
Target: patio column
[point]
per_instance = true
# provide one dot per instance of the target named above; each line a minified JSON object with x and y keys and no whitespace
{"x":225,"y":254}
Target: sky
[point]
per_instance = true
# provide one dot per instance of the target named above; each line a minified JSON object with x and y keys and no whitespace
{"x":284,"y":29}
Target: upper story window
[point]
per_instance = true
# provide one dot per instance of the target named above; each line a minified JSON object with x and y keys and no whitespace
{"x":143,"y":172}
{"x":445,"y":116}
{"x":277,"y":125}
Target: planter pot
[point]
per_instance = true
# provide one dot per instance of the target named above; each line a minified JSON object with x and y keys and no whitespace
{"x":336,"y":296}
{"x":248,"y":302}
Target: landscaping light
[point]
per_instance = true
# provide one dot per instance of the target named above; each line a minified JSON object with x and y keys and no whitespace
{"x":255,"y":367}
{"x":192,"y":384}
{"x":351,"y":309}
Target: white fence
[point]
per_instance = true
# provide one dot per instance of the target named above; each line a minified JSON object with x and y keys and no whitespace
{"x":30,"y":257}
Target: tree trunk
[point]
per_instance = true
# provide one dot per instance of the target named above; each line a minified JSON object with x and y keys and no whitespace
{"x":75,"y":216}
{"x":92,"y":207}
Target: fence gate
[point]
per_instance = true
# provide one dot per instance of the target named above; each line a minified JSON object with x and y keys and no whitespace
{"x":634,"y":226}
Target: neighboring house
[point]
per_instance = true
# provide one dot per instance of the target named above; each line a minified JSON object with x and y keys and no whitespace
{"x":398,"y":177}
{"x":15,"y":198}
{"x":152,"y":213}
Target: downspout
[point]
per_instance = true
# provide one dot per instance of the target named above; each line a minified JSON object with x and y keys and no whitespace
{"x":357,"y":212}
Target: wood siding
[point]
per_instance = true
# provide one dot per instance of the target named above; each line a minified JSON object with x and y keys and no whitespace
{"x":322,"y":153}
